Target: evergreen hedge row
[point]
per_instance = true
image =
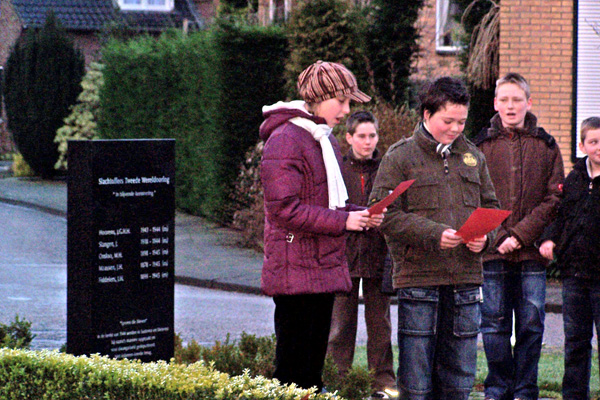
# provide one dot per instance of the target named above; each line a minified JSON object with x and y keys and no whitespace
{"x":205,"y":90}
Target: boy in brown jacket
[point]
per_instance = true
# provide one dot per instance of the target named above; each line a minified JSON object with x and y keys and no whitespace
{"x":527,"y":171}
{"x":366,"y":252}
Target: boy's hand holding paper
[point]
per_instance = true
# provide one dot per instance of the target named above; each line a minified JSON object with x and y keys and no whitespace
{"x":481,"y":222}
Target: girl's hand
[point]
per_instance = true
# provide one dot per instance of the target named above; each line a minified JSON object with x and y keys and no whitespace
{"x":357,"y":220}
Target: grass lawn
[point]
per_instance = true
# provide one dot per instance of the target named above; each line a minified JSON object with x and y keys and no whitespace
{"x":549,"y":378}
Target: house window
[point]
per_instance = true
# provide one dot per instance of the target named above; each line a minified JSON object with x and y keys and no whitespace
{"x":279,"y":10}
{"x":146,"y":5}
{"x":447,"y":27}
{"x":587,"y":84}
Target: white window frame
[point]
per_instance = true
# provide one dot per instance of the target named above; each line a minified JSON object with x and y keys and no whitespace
{"x":144,"y":6}
{"x":442,"y":9}
{"x":587,"y":85}
{"x":287,"y":9}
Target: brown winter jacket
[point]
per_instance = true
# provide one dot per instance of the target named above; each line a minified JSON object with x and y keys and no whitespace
{"x":438,"y":199}
{"x":366,"y":250}
{"x":527,"y":170}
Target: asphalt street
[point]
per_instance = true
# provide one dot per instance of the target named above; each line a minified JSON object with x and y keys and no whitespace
{"x":33,"y":285}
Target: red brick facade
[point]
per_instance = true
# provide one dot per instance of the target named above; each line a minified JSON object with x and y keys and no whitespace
{"x":430,"y":64}
{"x":536,"y":40}
{"x":10,"y":32}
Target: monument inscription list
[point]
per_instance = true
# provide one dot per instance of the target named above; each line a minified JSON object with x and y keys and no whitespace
{"x":120,"y":248}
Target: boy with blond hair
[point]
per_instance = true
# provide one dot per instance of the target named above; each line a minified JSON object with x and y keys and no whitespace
{"x":526,"y":168}
{"x":573,"y":238}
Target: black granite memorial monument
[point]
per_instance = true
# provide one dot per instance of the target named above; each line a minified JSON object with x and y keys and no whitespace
{"x":120,"y":248}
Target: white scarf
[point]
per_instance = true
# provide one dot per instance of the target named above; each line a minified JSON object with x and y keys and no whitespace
{"x":335,"y":182}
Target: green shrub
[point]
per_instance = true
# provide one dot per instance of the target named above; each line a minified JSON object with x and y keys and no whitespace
{"x":248,"y":196}
{"x":20,"y":168}
{"x":256,"y":355}
{"x":81,"y":124}
{"x":205,"y":90}
{"x":51,"y":375}
{"x":165,"y":88}
{"x":251,"y":72}
{"x":323,"y":30}
{"x":43,"y":73}
{"x":17,"y":334}
{"x":390,"y":42}
{"x":356,"y":384}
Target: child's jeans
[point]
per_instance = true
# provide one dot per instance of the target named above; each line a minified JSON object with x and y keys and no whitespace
{"x":520,"y":288}
{"x":581,"y":310}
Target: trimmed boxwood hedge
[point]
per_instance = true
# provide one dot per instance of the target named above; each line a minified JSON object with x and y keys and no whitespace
{"x":50,"y":375}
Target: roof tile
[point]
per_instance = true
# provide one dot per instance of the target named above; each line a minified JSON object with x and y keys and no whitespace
{"x":93,"y":15}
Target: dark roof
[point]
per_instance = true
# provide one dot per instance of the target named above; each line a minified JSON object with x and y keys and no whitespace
{"x":93,"y":15}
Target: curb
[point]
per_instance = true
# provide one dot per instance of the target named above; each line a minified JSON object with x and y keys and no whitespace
{"x":214,"y":284}
{"x":45,"y":209}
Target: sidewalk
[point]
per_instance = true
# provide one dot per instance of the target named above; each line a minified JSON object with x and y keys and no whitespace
{"x":206,"y":254}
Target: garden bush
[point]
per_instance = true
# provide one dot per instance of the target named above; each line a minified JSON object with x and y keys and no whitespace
{"x":43,"y":72}
{"x":81,"y":124}
{"x":325,"y":30}
{"x":205,"y":90}
{"x":20,"y":168}
{"x":51,"y":375}
{"x":255,"y":356}
{"x":17,"y":334}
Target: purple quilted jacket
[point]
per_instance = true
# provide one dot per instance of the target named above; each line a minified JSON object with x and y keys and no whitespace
{"x":304,"y":239}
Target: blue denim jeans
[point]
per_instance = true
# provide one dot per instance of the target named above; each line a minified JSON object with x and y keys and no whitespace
{"x":581,"y":310}
{"x":437,"y":341}
{"x":520,"y":288}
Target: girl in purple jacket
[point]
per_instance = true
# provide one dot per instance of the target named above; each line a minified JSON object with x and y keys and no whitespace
{"x":306,"y":218}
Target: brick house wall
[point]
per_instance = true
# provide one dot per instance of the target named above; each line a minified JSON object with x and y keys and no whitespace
{"x":11,"y":30}
{"x":536,"y":40}
{"x":430,"y":64}
{"x":8,"y":36}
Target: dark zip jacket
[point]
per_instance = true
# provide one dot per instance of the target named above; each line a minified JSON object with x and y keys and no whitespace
{"x":576,"y":230}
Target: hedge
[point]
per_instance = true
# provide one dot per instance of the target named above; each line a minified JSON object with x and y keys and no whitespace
{"x":205,"y":90}
{"x":51,"y":375}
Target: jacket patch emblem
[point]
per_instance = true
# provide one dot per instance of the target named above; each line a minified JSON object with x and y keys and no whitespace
{"x":470,"y":160}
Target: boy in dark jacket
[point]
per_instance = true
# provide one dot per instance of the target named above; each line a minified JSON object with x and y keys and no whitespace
{"x":366,"y":252}
{"x":574,"y":237}
{"x":527,"y":170}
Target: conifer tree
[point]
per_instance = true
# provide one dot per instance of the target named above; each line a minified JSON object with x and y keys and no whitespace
{"x":390,"y":42}
{"x":43,"y":75}
{"x":323,"y":30}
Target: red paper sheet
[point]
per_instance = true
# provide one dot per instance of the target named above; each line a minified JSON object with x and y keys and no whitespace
{"x":378,"y":208}
{"x":481,"y":222}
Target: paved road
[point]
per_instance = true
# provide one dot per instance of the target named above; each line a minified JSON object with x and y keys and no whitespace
{"x":33,"y":285}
